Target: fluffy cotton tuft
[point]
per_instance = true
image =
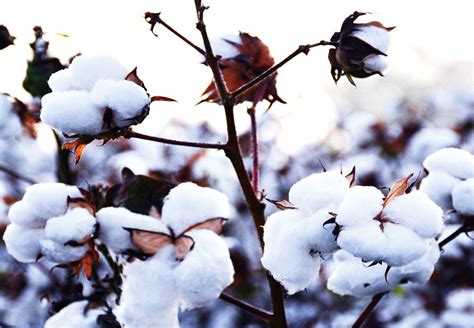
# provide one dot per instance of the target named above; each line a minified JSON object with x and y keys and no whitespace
{"x":10,"y":124}
{"x":456,"y":162}
{"x":60,"y":253}
{"x":377,"y":37}
{"x":23,"y":243}
{"x":75,"y":315}
{"x":360,"y":206}
{"x":463,"y":197}
{"x":188,"y":204}
{"x":375,"y":63}
{"x":72,"y":226}
{"x":438,"y":186}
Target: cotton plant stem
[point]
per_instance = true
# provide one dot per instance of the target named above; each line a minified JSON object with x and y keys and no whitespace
{"x":16,"y":175}
{"x":255,"y":150}
{"x":63,"y":169}
{"x":133,"y":134}
{"x":155,"y":18}
{"x":262,"y":314}
{"x":303,"y":49}
{"x":233,"y":152}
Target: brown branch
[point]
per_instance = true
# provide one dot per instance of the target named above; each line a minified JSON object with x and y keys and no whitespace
{"x":466,"y":227}
{"x":154,"y":18}
{"x":233,"y":152}
{"x":301,"y":49}
{"x":262,"y":314}
{"x":255,"y":150}
{"x":368,"y":310}
{"x":16,"y":175}
{"x":133,"y":134}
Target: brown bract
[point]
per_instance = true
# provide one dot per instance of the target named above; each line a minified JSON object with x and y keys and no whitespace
{"x":253,"y":59}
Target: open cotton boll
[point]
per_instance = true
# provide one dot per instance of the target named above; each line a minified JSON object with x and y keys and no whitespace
{"x":361,"y":204}
{"x":62,"y":80}
{"x":72,"y":112}
{"x":75,"y":225}
{"x":126,"y":99}
{"x":438,"y":186}
{"x":113,"y":220}
{"x":456,"y":162}
{"x":205,"y":271}
{"x":75,"y":315}
{"x":88,"y":70}
{"x":353,"y":277}
{"x":377,"y":37}
{"x":319,"y":190}
{"x":418,"y":271}
{"x":224,"y":48}
{"x":22,"y":243}
{"x":319,"y":236}
{"x":403,"y":245}
{"x":416,"y":212}
{"x":60,"y":253}
{"x":366,"y":241}
{"x":188,"y":204}
{"x":463,"y":197}
{"x":149,"y":295}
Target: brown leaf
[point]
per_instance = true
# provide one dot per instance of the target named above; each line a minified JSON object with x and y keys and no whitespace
{"x":133,"y":77}
{"x":161,"y":98}
{"x":182,"y":246}
{"x":77,"y":146}
{"x":149,"y":242}
{"x":81,"y":203}
{"x":282,"y":204}
{"x":216,"y":225}
{"x":398,"y":189}
{"x":351,"y":176}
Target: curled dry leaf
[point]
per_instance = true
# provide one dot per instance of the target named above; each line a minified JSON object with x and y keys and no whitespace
{"x":86,"y":263}
{"x":351,"y":176}
{"x":282,"y":204}
{"x":399,"y":188}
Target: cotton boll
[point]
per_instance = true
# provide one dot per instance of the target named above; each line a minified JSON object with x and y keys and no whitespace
{"x":75,"y":315}
{"x":61,"y":81}
{"x":112,"y":222}
{"x":205,"y":271}
{"x":60,"y":253}
{"x":88,"y":70}
{"x":353,"y":277}
{"x":456,"y":162}
{"x":72,"y":112}
{"x":75,"y":225}
{"x":416,"y":212}
{"x":438,"y":186}
{"x":428,"y":140}
{"x":23,"y":244}
{"x":318,"y":190}
{"x":25,"y":215}
{"x":320,"y":236}
{"x":365,"y":241}
{"x":463,"y":197}
{"x":360,"y":205}
{"x":149,"y":294}
{"x":403,"y":245}
{"x":188,"y":204}
{"x":377,"y":37}
{"x":126,"y":99}
{"x":375,"y":63}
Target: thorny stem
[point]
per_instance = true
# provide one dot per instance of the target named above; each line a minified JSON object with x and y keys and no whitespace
{"x":154,"y":18}
{"x":133,"y":134}
{"x":16,"y":175}
{"x":466,"y":227}
{"x":301,"y":49}
{"x":262,"y":314}
{"x":255,"y":150}
{"x":233,"y":152}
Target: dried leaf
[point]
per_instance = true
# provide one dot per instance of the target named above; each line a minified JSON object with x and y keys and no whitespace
{"x":77,"y":146}
{"x":133,"y":77}
{"x":149,"y":242}
{"x":399,"y":188}
{"x":81,"y":203}
{"x":161,"y":98}
{"x":351,"y":176}
{"x":182,"y":246}
{"x":282,"y":204}
{"x":216,"y":225}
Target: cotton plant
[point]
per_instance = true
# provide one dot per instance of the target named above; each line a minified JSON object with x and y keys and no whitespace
{"x":450,"y":180}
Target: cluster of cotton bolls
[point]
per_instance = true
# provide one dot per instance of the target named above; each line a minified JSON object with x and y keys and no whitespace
{"x":82,"y":93}
{"x":43,"y":224}
{"x":450,"y":180}
{"x":10,"y":124}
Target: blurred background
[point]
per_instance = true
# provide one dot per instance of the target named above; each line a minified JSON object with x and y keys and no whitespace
{"x":384,"y":126}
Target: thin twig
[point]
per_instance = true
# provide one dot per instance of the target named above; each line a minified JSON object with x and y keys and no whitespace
{"x":154,"y":18}
{"x":368,"y":310}
{"x":262,"y":314}
{"x":16,"y":175}
{"x":301,"y":49}
{"x":133,"y":134}
{"x":466,"y":227}
{"x":255,"y":150}
{"x":63,"y":169}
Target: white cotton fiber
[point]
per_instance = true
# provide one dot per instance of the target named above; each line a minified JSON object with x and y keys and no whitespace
{"x":276,"y":222}
{"x":87,"y":70}
{"x":72,"y":112}
{"x":26,"y":215}
{"x":60,"y":253}
{"x":438,"y":186}
{"x":61,"y":81}
{"x":365,"y":241}
{"x":456,"y":162}
{"x":205,"y":271}
{"x":428,"y":140}
{"x":188,"y":204}
{"x":22,"y":243}
{"x":360,"y":206}
{"x":75,"y":225}
{"x":10,"y":124}
{"x":75,"y":315}
{"x":149,"y":295}
{"x":377,"y":37}
{"x":113,"y":220}
{"x":318,"y":190}
{"x":355,"y":278}
{"x":126,"y":99}
{"x":416,"y":212}
{"x":463,"y":197}
{"x":318,"y":235}
{"x":375,"y":63}
{"x":403,"y":245}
